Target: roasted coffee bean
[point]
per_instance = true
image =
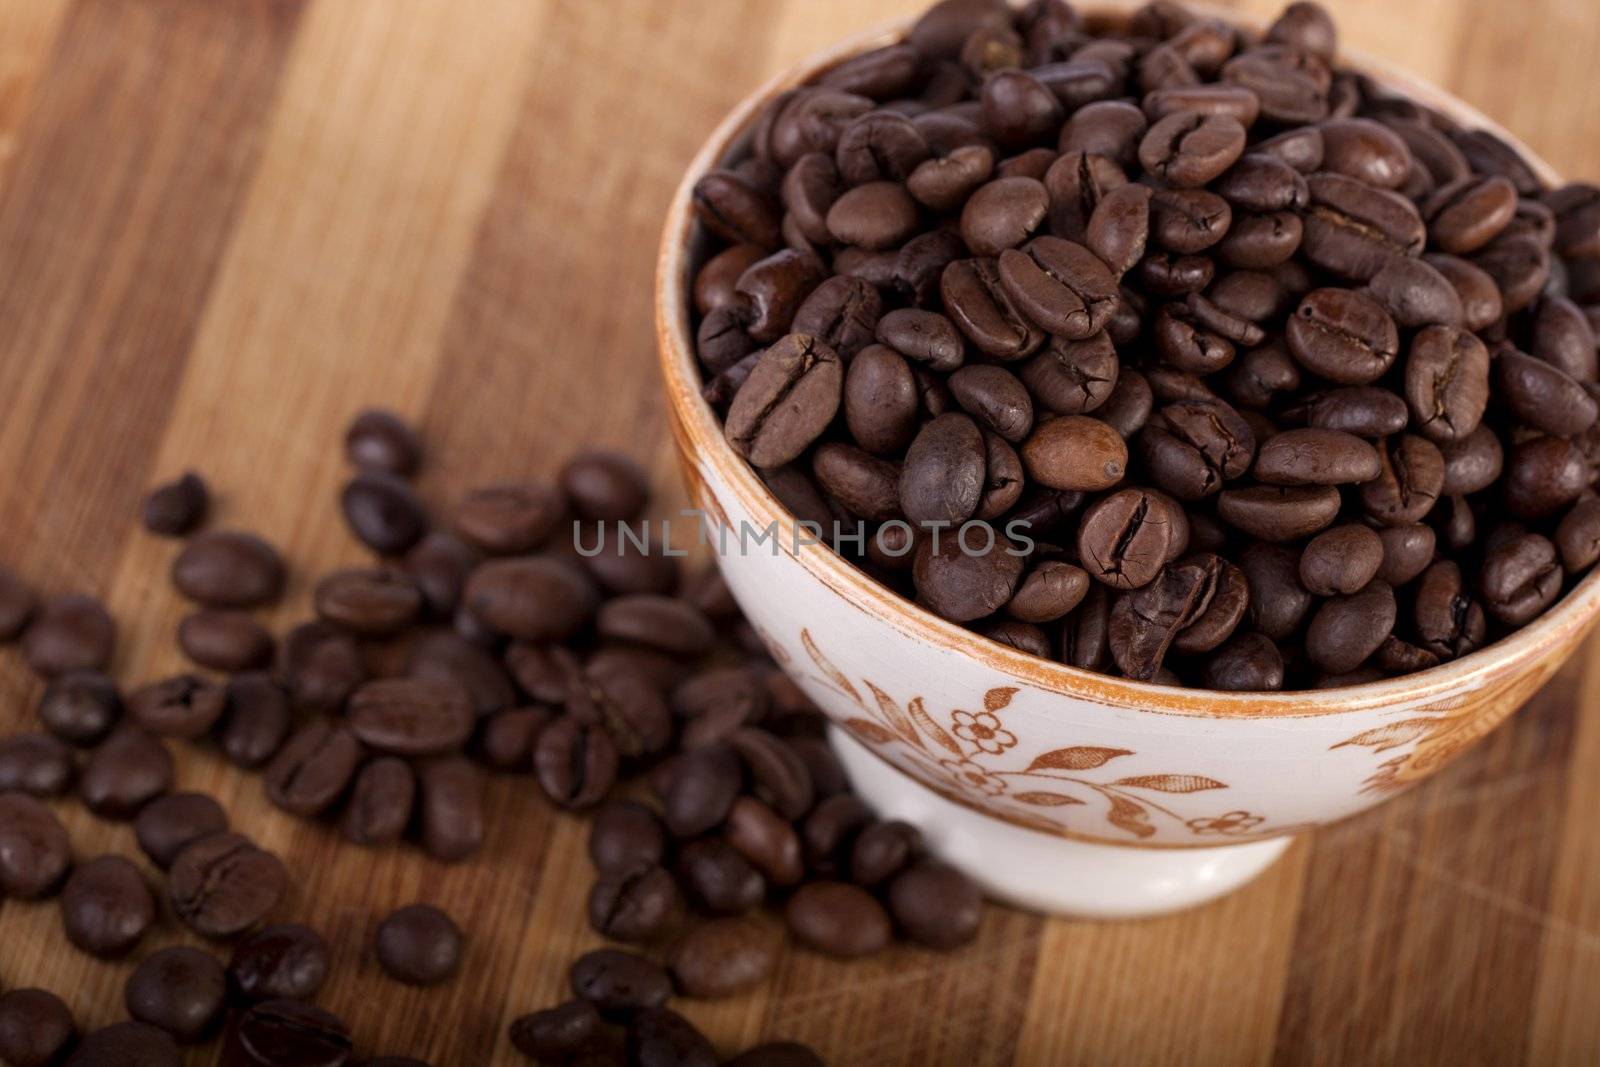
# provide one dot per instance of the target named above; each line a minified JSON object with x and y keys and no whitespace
{"x":35,"y":1028}
{"x":1076,"y":183}
{"x":1075,"y":452}
{"x":1220,"y":604}
{"x":713,"y":283}
{"x":507,"y":738}
{"x":1018,"y":110}
{"x":37,"y":764}
{"x":1347,"y":629}
{"x":372,"y":602}
{"x":1061,"y":286}
{"x":995,"y":398}
{"x":557,"y":1035}
{"x":106,"y":906}
{"x":1402,"y":657}
{"x":882,"y":850}
{"x":575,"y":762}
{"x":419,"y":945}
{"x":17,"y":605}
{"x":671,"y":625}
{"x":128,"y":769}
{"x":1352,"y":228}
{"x":1247,"y":662}
{"x":1144,"y":622}
{"x":723,"y":957}
{"x":718,"y":878}
{"x":1316,"y":457}
{"x":225,"y":640}
{"x":1340,"y":561}
{"x":34,"y":850}
{"x":1416,"y":294}
{"x":876,"y":216}
{"x":657,"y":1036}
{"x":703,"y":789}
{"x":1410,"y":478}
{"x":79,"y":707}
{"x":766,"y":840}
{"x":1275,"y":513}
{"x":175,"y":508}
{"x":381,"y":802}
{"x":223,"y":885}
{"x":1578,"y":536}
{"x":1343,"y":335}
{"x":829,"y":832}
{"x":842,"y":313}
{"x":1278,"y":602}
{"x":185,"y":706}
{"x":255,"y":721}
{"x":286,"y":1031}
{"x":1261,"y":374}
{"x":531,"y":598}
{"x":180,"y":990}
{"x":777,"y":775}
{"x":924,"y":337}
{"x":445,"y":656}
{"x":1187,"y":149}
{"x":942,"y":478}
{"x":383,"y":441}
{"x":625,"y":833}
{"x":1365,"y":150}
{"x":321,"y":666}
{"x":1449,"y":622}
{"x":1050,"y":591}
{"x":966,"y":581}
{"x":1364,"y":410}
{"x":68,"y":633}
{"x":411,"y":716}
{"x":313,"y":768}
{"x":127,"y":1044}
{"x":284,"y":961}
{"x":1407,"y":551}
{"x":788,"y":400}
{"x":229,"y":569}
{"x":1124,"y":539}
{"x":383,"y":512}
{"x":1447,"y":383}
{"x":1563,"y":338}
{"x":1521,"y":578}
{"x":1192,"y":448}
{"x":1466,"y":214}
{"x":634,"y":903}
{"x":1543,"y":395}
{"x":619,"y":983}
{"x":935,"y":905}
{"x":508,"y":519}
{"x":1481,"y":304}
{"x":981,"y":307}
{"x":450,"y":808}
{"x":1543,"y":475}
{"x":167,"y":825}
{"x":1003,"y":214}
{"x":735,"y":209}
{"x":1186,"y":222}
{"x":774,"y":288}
{"x":838,"y":919}
{"x":880,"y":400}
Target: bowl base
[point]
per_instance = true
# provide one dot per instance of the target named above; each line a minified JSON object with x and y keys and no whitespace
{"x":1053,"y":875}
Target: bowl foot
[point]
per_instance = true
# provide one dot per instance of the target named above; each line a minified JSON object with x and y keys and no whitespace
{"x":1054,"y":875}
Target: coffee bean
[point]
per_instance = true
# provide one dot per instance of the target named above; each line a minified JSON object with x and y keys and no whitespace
{"x":1187,"y":149}
{"x":1521,"y":578}
{"x":1347,"y":629}
{"x":718,"y":878}
{"x":702,"y":791}
{"x":880,"y":400}
{"x":313,"y":768}
{"x":1340,"y":561}
{"x":935,"y":905}
{"x":411,"y":716}
{"x":1278,"y":602}
{"x":175,"y":508}
{"x":507,"y":738}
{"x":575,"y":762}
{"x":223,"y":885}
{"x":509,"y":519}
{"x":419,"y":945}
{"x":1416,"y":294}
{"x":180,"y":990}
{"x":381,"y":440}
{"x":1075,"y":452}
{"x":128,"y":1044}
{"x":1466,"y":214}
{"x":942,"y":478}
{"x":185,"y":706}
{"x":1578,"y":536}
{"x":558,"y":1034}
{"x":1543,"y":475}
{"x":723,"y":957}
{"x":125,"y":772}
{"x":667,"y":623}
{"x":962,"y":583}
{"x":68,"y":633}
{"x":1003,"y":214}
{"x":1123,"y":540}
{"x":1275,"y":513}
{"x":229,"y":569}
{"x":1220,"y":604}
{"x":225,"y":640}
{"x":625,"y":833}
{"x":444,"y":656}
{"x":658,"y":1037}
{"x":1193,"y":447}
{"x":774,"y":288}
{"x":1407,"y":551}
{"x":255,"y":721}
{"x":788,"y":400}
{"x":381,"y":802}
{"x":1447,"y":383}
{"x":168,"y":824}
{"x":605,"y":486}
{"x":1410,"y":478}
{"x":766,"y":840}
{"x":1343,"y":335}
{"x":37,"y":764}
{"x":286,"y":1031}
{"x":838,"y":919}
{"x":733,"y":208}
{"x":619,"y":983}
{"x":1050,"y":591}
{"x":106,"y":906}
{"x":1543,"y":395}
{"x":451,"y":808}
{"x":981,"y":307}
{"x":383,"y":512}
{"x":1352,"y":228}
{"x":634,"y":903}
{"x":35,"y":1028}
{"x":366,"y":601}
{"x":1316,"y":457}
{"x":1144,"y":622}
{"x":1060,"y":285}
{"x":321,"y":666}
{"x":1247,"y":662}
{"x":882,"y":850}
{"x":34,"y":850}
{"x":532,"y":598}
{"x":1449,"y":622}
{"x":283,"y":961}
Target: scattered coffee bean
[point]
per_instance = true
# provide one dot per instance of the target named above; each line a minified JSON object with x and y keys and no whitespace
{"x":128,"y":770}
{"x":176,"y":508}
{"x":838,"y":918}
{"x":383,"y":512}
{"x":381,"y":440}
{"x":80,"y":707}
{"x":37,"y":764}
{"x":284,"y":961}
{"x":34,"y":850}
{"x":180,"y":990}
{"x":106,"y":907}
{"x":35,"y":1028}
{"x":620,"y":983}
{"x":223,"y":885}
{"x":419,"y":945}
{"x":169,"y":824}
{"x":287,"y":1031}
{"x":229,"y":569}
{"x":68,"y":633}
{"x":723,"y":956}
{"x":184,"y":706}
{"x":935,"y":905}
{"x":225,"y":640}
{"x":128,"y":1044}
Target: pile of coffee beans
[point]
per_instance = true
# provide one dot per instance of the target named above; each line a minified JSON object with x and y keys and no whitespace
{"x":1161,"y":347}
{"x":485,"y":643}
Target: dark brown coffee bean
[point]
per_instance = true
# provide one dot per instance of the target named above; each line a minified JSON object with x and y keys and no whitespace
{"x":34,"y":850}
{"x":126,"y":1044}
{"x":1191,"y":448}
{"x":841,"y":313}
{"x":1003,"y":214}
{"x":125,"y":772}
{"x":1364,"y":410}
{"x":1407,"y":551}
{"x":1467,"y":214}
{"x":1340,"y":561}
{"x":37,"y":764}
{"x":1578,"y":536}
{"x":718,"y":878}
{"x":658,"y":1037}
{"x":321,"y":666}
{"x":1124,"y":539}
{"x":1144,"y":622}
{"x":982,"y":308}
{"x":106,"y":907}
{"x":1050,"y":591}
{"x":450,"y":808}
{"x":168,"y":824}
{"x":1563,"y":338}
{"x":995,"y":398}
{"x":1449,"y":622}
{"x":1187,"y":149}
{"x":777,"y":774}
{"x":286,"y":1031}
{"x":1352,"y":228}
{"x":1060,"y":285}
{"x":175,"y":508}
{"x":313,"y":768}
{"x":838,"y":919}
{"x":1247,"y":662}
{"x":419,"y":945}
{"x":667,"y":623}
{"x":1347,"y":629}
{"x":713,"y":283}
{"x":222,"y":885}
{"x":723,"y":957}
{"x":788,"y":401}
{"x":383,"y":512}
{"x":1521,"y":578}
{"x":381,"y":803}
{"x":619,"y":983}
{"x":1344,"y":336}
{"x":735,"y":209}
{"x":185,"y":706}
{"x":368,"y":601}
{"x":225,"y":640}
{"x":68,"y":633}
{"x":180,"y":990}
{"x":284,"y":961}
{"x":635,"y":903}
{"x":1447,"y":383}
{"x":882,"y":850}
{"x":1018,"y":110}
{"x":1543,"y":395}
{"x":880,"y":400}
{"x":411,"y":716}
{"x":559,"y":1034}
{"x":625,"y":833}
{"x":1543,"y":475}
{"x":774,"y":288}
{"x":575,"y":762}
{"x":876,"y":216}
{"x":766,"y":840}
{"x":35,"y":1028}
{"x":1416,"y":294}
{"x":964,"y":582}
{"x":1220,"y":604}
{"x":445,"y":656}
{"x":383,"y":441}
{"x":1410,"y":478}
{"x":1275,"y":513}
{"x":531,"y":598}
{"x":507,"y":738}
{"x":942,"y":478}
{"x":703,"y":789}
{"x":510,"y":518}
{"x":229,"y":569}
{"x":946,"y":182}
{"x":935,"y":905}
{"x":255,"y":721}
{"x":1316,"y":457}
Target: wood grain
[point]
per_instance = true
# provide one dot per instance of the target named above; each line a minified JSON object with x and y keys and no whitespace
{"x":225,"y":226}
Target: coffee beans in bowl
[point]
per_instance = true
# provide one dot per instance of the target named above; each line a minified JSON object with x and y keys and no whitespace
{"x":1030,"y":304}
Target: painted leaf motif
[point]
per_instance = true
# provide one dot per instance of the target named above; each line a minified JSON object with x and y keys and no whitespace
{"x":1172,"y":783}
{"x":1391,"y":735}
{"x":1076,"y":758}
{"x":869,"y":731}
{"x":1041,"y":799}
{"x":826,"y":667}
{"x":1126,"y":815}
{"x":891,"y":713}
{"x":919,"y":715}
{"x":999,"y":697}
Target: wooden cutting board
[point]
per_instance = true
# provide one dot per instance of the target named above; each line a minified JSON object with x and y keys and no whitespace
{"x":226,"y":225}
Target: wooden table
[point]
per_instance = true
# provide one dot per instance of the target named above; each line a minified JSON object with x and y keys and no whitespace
{"x":227,"y":224}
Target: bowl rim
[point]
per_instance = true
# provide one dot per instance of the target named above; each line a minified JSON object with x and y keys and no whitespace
{"x":699,"y":438}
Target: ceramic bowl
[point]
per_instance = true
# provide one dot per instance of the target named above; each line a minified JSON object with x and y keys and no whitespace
{"x":1058,"y":789}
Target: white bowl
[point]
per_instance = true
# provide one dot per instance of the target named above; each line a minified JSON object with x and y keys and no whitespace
{"x":1059,"y":789}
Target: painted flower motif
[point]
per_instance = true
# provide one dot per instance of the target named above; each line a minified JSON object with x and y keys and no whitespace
{"x":982,"y":730}
{"x":972,"y":777}
{"x":1230,"y":823}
